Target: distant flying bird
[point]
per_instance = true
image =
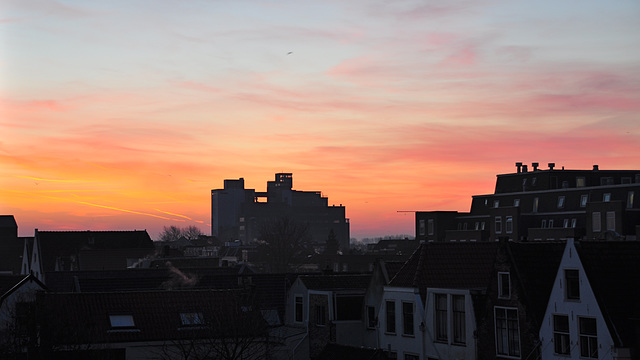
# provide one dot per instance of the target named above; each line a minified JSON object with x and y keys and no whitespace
{"x":290,"y":52}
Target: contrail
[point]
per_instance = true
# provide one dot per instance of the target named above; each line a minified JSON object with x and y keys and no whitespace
{"x":166,"y":212}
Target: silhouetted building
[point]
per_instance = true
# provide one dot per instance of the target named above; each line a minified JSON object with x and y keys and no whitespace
{"x":549,"y":204}
{"x":238,"y":213}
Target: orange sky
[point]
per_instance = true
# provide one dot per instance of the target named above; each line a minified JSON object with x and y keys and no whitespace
{"x":119,"y":117}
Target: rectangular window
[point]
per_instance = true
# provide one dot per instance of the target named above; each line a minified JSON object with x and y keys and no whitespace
{"x":504,"y":285}
{"x":422,"y":228}
{"x":191,"y":319}
{"x":430,"y":227}
{"x":544,"y":224}
{"x":482,"y":225}
{"x":574,"y":222}
{"x":560,"y":202}
{"x":565,"y":223}
{"x":561,"y":341}
{"x":411,"y":357}
{"x":596,"y":221}
{"x":583,"y":200}
{"x":535,"y":204}
{"x":371,"y":317}
{"x":551,"y":223}
{"x":407,"y":318}
{"x":496,"y":203}
{"x":391,"y":316}
{"x":507,"y":332}
{"x":606,"y":197}
{"x":477,"y":227}
{"x":611,"y":220}
{"x":321,"y":315}
{"x":441,"y":317}
{"x":498,"y":224}
{"x":508,"y":224}
{"x":298,"y":309}
{"x":630,"y":195}
{"x":588,"y":338}
{"x":580,"y":181}
{"x":516,"y":202}
{"x":459,"y":321}
{"x":572,"y":284}
{"x":121,"y":321}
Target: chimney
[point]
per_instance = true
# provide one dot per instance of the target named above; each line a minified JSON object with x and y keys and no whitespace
{"x":551,"y":166}
{"x":595,"y":168}
{"x":519,"y":165}
{"x":524,"y":168}
{"x":535,"y":166}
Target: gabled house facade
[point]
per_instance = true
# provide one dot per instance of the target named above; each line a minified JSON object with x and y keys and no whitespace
{"x":17,"y":295}
{"x":593,"y":310}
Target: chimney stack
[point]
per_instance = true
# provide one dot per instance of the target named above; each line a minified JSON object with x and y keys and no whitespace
{"x":551,"y":166}
{"x":519,"y":165}
{"x":524,"y":168}
{"x":595,"y":168}
{"x":535,"y":166}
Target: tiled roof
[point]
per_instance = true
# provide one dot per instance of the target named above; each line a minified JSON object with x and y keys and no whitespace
{"x":336,"y":281}
{"x":536,"y":265}
{"x":452,"y":265}
{"x":7,"y":282}
{"x":613,"y":270}
{"x":84,"y":318}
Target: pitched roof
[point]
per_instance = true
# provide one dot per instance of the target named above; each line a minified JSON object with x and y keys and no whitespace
{"x":54,"y":244}
{"x":536,"y":265}
{"x":613,"y":270}
{"x":336,"y":281}
{"x":452,"y":265}
{"x":11,"y":251}
{"x":81,"y":318}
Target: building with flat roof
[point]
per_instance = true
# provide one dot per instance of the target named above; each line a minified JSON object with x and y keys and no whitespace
{"x":238,"y":213}
{"x":544,"y":204}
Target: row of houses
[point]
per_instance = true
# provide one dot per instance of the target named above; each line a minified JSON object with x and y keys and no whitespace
{"x":449,"y":300}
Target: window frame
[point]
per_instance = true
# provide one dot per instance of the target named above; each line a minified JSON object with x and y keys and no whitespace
{"x":584,"y":199}
{"x":611,"y":220}
{"x":508,"y":224}
{"x":498,"y":224}
{"x":588,"y":339}
{"x":408,"y":323}
{"x":606,"y":197}
{"x":596,"y":221}
{"x":390,"y":316}
{"x":298,"y":310}
{"x":441,"y":318}
{"x":512,"y":343}
{"x":561,"y":336}
{"x":192,"y":318}
{"x":371,"y":317}
{"x":501,"y":277}
{"x":459,"y":326}
{"x":561,"y":199}
{"x":572,"y":284}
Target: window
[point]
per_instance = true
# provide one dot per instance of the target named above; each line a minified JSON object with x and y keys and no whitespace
{"x":535,"y":204}
{"x":551,"y":223}
{"x":580,"y":181}
{"x":561,"y":341}
{"x":441,"y":317}
{"x":565,"y":223}
{"x":507,"y":332}
{"x":121,"y":321}
{"x":574,"y":222}
{"x":430,"y":226}
{"x":611,"y":220}
{"x":630,"y":195}
{"x":508,"y":224}
{"x":191,"y":319}
{"x":459,"y":322}
{"x":544,"y":224}
{"x":504,"y":285}
{"x":560,"y":202}
{"x":588,"y":338}
{"x":421,"y":230}
{"x":477,"y":227}
{"x":498,"y":224}
{"x":464,"y":226}
{"x":349,"y":307}
{"x":391,"y":316}
{"x":596,"y":221}
{"x":407,"y":318}
{"x":572,"y":284}
{"x":298,"y":309}
{"x":606,"y":197}
{"x":606,"y":181}
{"x":496,"y":203}
{"x":321,"y":315}
{"x":583,"y":200}
{"x":371,"y":317}
{"x":482,"y":226}
{"x":411,"y":357}
{"x":516,"y":202}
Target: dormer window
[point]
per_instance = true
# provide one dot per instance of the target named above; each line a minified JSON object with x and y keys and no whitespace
{"x":516,"y":202}
{"x":191,"y":318}
{"x":606,"y":197}
{"x":560,"y":202}
{"x":583,"y":200}
{"x":496,"y":203}
{"x":121,"y":322}
{"x":504,"y":285}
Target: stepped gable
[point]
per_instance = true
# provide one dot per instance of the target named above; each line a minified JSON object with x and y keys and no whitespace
{"x":452,"y":265}
{"x":613,"y":270}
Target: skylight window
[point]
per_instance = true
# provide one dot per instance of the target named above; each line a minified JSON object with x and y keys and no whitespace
{"x":121,"y":321}
{"x":191,"y":319}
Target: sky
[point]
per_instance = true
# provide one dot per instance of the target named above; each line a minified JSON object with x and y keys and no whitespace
{"x":125,"y":114}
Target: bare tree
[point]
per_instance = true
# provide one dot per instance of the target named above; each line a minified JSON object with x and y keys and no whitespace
{"x":174,"y":233}
{"x":281,"y":241}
